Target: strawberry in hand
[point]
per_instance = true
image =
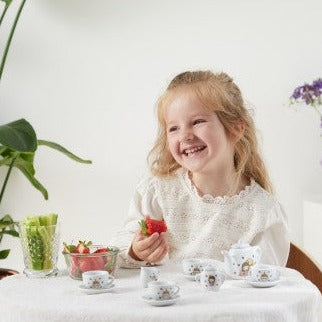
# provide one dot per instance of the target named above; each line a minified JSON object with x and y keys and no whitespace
{"x":150,"y":226}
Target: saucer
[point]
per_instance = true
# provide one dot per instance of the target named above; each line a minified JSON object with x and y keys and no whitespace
{"x":262,"y":284}
{"x":150,"y":301}
{"x":189,"y":277}
{"x":95,"y":290}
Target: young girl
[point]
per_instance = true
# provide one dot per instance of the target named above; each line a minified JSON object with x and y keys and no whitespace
{"x":208,"y":180}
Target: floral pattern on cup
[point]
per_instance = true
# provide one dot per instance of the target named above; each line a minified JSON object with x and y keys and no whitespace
{"x":162,"y":290}
{"x":211,"y":278}
{"x":264,"y":273}
{"x":97,"y":279}
{"x":192,"y":266}
{"x":149,"y":274}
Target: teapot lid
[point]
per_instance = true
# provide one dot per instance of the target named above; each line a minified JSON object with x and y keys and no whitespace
{"x":210,"y":267}
{"x":240,"y":245}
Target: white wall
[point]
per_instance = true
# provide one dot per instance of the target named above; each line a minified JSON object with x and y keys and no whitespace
{"x":87,"y":74}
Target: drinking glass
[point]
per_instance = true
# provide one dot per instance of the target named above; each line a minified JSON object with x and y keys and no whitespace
{"x":40,"y":249}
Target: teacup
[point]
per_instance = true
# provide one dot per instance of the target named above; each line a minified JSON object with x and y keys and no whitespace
{"x":264,"y":273}
{"x":162,"y":290}
{"x":149,"y":274}
{"x":192,"y":266}
{"x":211,"y":278}
{"x":97,"y":279}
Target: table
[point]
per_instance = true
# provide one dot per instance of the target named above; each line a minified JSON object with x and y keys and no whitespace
{"x":59,"y":299}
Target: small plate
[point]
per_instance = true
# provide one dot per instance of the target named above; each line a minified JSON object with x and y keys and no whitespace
{"x":189,"y":277}
{"x":160,"y":302}
{"x":262,"y":284}
{"x":95,"y":290}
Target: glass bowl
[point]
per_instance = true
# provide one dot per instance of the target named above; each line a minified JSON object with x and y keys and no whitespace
{"x":77,"y":263}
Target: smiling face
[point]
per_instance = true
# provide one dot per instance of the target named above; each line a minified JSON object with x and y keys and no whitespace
{"x":196,"y":138}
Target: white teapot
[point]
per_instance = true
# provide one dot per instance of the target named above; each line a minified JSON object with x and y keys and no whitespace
{"x":240,"y":259}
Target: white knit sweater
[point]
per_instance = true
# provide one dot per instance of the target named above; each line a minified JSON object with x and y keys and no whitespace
{"x":203,"y":226}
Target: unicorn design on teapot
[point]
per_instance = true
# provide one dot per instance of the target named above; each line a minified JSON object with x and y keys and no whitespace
{"x":241,"y":258}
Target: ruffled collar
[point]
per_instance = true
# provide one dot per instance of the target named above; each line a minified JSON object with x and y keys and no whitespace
{"x":207,"y":198}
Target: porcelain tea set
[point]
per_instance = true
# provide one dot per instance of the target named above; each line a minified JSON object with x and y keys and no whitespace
{"x":242,"y":261}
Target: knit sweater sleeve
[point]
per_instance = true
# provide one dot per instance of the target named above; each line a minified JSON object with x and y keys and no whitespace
{"x":144,"y":202}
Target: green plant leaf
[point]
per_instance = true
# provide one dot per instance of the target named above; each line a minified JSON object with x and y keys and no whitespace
{"x":7,"y":2}
{"x":5,"y":161}
{"x":24,"y":159}
{"x":33,"y":180}
{"x":27,"y":156}
{"x":4,"y":253}
{"x":59,"y":148}
{"x":19,"y":136}
{"x":7,"y":220}
{"x":7,"y":152}
{"x":20,"y":161}
{"x":10,"y":232}
{"x":3,"y":148}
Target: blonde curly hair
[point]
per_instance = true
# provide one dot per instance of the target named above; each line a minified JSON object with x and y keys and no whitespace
{"x":220,"y":94}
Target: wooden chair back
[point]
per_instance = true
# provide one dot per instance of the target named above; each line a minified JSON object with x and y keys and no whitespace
{"x":301,"y":261}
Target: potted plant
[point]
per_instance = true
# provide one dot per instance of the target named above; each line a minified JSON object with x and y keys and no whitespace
{"x":18,"y":142}
{"x":309,"y":95}
{"x":7,"y":226}
{"x":18,"y":146}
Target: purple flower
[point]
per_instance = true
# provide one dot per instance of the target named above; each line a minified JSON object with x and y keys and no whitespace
{"x":318,"y":83}
{"x":317,"y":87}
{"x":297,"y":93}
{"x":311,"y":94}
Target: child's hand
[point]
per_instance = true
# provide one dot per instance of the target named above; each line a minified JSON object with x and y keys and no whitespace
{"x":151,"y":249}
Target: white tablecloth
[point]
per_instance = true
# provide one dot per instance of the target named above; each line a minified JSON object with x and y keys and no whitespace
{"x":59,"y":299}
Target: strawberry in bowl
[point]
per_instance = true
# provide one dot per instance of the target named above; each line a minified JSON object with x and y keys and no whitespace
{"x":85,"y":257}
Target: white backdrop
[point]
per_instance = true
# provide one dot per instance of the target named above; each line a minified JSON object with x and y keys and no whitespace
{"x":87,"y":74}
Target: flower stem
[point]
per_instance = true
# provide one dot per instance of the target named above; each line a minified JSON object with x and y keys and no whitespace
{"x":3,"y":13}
{"x":4,"y":57}
{"x":6,"y":178}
